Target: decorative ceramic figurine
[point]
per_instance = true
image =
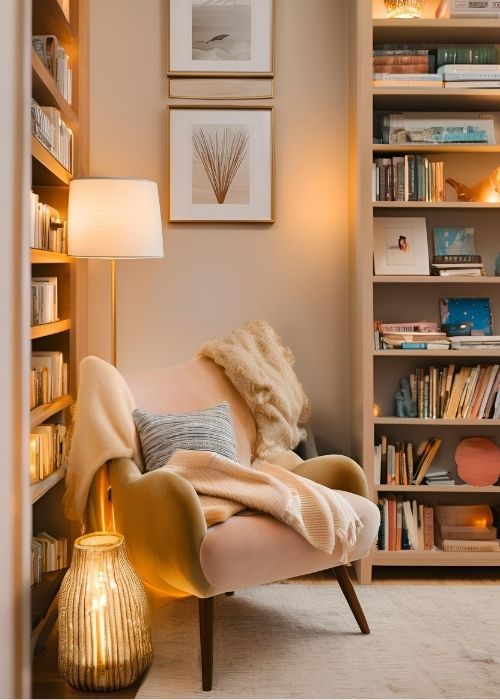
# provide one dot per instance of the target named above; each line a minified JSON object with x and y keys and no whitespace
{"x":486,"y":190}
{"x":406,"y":407}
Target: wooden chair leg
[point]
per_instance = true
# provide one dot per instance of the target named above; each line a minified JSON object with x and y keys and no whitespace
{"x":347,"y":588}
{"x":206,"y":617}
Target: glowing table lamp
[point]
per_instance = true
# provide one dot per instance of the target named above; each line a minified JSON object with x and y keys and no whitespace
{"x":114,"y":218}
{"x":104,"y":635}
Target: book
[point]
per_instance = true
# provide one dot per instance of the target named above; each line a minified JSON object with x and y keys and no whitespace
{"x":474,"y":54}
{"x":468,"y":532}
{"x":455,"y":259}
{"x":475,"y":311}
{"x":427,"y":460}
{"x":468,"y":84}
{"x":453,"y":240}
{"x":438,"y":127}
{"x":448,"y":545}
{"x":460,"y":515}
{"x":467,"y":71}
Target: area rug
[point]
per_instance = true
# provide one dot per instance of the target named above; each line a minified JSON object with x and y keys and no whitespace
{"x":301,"y":641}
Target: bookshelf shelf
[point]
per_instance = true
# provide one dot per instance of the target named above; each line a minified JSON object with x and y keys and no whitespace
{"x":41,"y":413}
{"x":449,"y":354}
{"x":435,"y":205}
{"x":440,"y":31}
{"x":423,"y":99}
{"x":46,"y":329}
{"x":403,"y":298}
{"x":49,"y":18}
{"x":433,"y":279}
{"x":46,"y":92}
{"x":436,"y":558}
{"x":46,"y":169}
{"x":384,"y":488}
{"x":42,"y":487}
{"x":443,"y":422}
{"x":39,"y":256}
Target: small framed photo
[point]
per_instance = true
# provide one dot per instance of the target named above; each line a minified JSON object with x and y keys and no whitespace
{"x":221,"y":164}
{"x":400,"y":246}
{"x":221,"y":37}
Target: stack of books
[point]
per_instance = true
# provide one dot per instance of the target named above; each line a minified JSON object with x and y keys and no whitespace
{"x":466,"y":528}
{"x":418,"y":335}
{"x":455,"y":252}
{"x":49,"y":128}
{"x":463,"y":75}
{"x":47,"y":231}
{"x":438,"y":128}
{"x":472,"y":9}
{"x":438,"y":477}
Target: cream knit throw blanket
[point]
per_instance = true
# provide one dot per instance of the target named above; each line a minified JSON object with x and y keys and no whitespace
{"x":104,"y":429}
{"x":261,"y":369}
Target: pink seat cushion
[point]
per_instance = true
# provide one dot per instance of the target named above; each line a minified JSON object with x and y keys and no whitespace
{"x":191,"y":386}
{"x":248,"y":550}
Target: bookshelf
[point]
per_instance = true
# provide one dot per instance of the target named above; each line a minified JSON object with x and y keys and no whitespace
{"x":398,"y":298}
{"x":50,"y":180}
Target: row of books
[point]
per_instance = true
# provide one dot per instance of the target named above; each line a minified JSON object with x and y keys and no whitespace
{"x":469,"y":9}
{"x":408,"y":178}
{"x":450,"y":392}
{"x":47,"y":232}
{"x":44,"y":304}
{"x":404,"y":524}
{"x":56,"y":60}
{"x":49,"y":128}
{"x":437,"y":128}
{"x":48,"y":377}
{"x":397,"y":464}
{"x":435,"y":56}
{"x":48,"y":553}
{"x":47,"y":446}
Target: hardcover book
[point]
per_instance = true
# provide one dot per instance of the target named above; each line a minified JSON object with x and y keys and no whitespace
{"x":454,"y":240}
{"x":475,"y":311}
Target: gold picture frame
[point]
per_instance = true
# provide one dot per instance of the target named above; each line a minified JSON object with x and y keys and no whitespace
{"x":221,"y":164}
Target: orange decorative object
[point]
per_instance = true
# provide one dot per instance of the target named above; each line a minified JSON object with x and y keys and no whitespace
{"x":377,"y":411}
{"x":478,"y":461}
{"x":486,"y":190}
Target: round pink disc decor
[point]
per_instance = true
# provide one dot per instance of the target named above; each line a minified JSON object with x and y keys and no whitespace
{"x":478,"y":461}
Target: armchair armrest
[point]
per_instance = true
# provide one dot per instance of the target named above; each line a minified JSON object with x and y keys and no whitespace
{"x":336,"y":472}
{"x":161,"y":518}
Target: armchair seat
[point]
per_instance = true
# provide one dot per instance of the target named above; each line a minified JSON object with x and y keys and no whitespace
{"x":248,"y":550}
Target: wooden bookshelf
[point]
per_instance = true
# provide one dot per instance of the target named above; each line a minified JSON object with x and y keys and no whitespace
{"x":50,"y":180}
{"x":396,"y":298}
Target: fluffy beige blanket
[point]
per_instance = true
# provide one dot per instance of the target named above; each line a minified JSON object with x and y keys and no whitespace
{"x":261,"y":369}
{"x":104,"y":430}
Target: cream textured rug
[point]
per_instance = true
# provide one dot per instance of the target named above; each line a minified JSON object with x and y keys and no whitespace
{"x":301,"y":641}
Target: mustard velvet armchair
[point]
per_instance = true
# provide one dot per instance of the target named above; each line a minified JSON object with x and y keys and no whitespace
{"x":166,"y":536}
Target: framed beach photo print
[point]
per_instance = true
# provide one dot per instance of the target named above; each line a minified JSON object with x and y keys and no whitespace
{"x":400,"y":246}
{"x":221,"y":164}
{"x":220,"y":37}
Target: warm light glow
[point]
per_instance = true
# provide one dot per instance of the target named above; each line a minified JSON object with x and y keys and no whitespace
{"x":404,"y":9}
{"x":114,"y":218}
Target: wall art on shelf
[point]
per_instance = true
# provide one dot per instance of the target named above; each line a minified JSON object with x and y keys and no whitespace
{"x":474,"y":312}
{"x":400,"y":246}
{"x":211,"y":37}
{"x":221,"y":164}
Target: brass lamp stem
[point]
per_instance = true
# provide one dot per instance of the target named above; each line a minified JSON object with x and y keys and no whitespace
{"x":113,"y":311}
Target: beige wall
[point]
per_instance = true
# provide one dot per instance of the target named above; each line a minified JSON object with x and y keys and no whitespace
{"x":293,"y":273}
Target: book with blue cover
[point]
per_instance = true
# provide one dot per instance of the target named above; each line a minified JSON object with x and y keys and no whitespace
{"x":474,"y":312}
{"x":453,"y":240}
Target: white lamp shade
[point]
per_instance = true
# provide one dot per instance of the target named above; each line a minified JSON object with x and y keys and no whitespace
{"x":114,"y":218}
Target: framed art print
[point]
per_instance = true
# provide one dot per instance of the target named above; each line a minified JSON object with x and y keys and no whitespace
{"x":400,"y":246}
{"x":472,"y":312}
{"x":214,"y":37}
{"x":221,"y":164}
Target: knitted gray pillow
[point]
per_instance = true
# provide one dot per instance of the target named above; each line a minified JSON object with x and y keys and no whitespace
{"x":161,"y":435}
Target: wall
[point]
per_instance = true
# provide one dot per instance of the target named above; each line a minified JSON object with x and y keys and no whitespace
{"x":293,"y":273}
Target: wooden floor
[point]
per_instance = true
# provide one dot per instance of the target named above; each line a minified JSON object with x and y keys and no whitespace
{"x":47,"y":683}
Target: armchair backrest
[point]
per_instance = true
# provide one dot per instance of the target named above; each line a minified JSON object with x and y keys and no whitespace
{"x":191,"y":386}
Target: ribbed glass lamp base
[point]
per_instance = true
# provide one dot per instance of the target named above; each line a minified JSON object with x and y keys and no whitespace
{"x":104,"y":634}
{"x":404,"y":9}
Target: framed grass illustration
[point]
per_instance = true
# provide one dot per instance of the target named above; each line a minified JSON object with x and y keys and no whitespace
{"x":221,"y":164}
{"x":220,"y":37}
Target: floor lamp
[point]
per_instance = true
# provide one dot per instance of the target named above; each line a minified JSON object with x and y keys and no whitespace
{"x":114,"y":218}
